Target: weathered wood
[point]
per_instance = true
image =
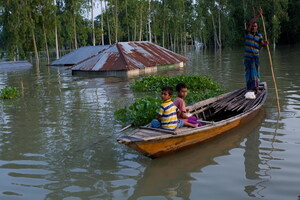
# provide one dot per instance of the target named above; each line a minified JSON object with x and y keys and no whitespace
{"x":155,"y":129}
{"x":200,"y":110}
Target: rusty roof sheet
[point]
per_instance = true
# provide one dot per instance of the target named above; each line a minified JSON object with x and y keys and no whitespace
{"x":79,"y":55}
{"x":129,"y":56}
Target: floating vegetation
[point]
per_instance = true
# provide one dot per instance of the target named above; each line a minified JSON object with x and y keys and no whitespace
{"x":154,"y":83}
{"x":9,"y":93}
{"x":143,"y":110}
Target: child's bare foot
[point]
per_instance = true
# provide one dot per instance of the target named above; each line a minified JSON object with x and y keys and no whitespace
{"x":194,"y":125}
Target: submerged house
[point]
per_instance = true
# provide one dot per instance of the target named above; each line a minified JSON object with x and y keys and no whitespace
{"x":79,"y":55}
{"x":128,"y":58}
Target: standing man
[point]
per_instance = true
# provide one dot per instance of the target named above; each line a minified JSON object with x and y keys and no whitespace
{"x":253,"y":43}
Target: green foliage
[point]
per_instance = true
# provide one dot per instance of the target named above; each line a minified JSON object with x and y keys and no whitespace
{"x":9,"y":93}
{"x":195,"y":83}
{"x":174,"y":23}
{"x":143,"y":110}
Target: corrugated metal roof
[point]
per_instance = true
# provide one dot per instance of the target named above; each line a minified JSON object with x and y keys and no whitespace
{"x":79,"y":55}
{"x":129,"y":56}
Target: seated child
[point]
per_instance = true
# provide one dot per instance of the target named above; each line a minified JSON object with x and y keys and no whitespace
{"x":167,"y":116}
{"x":181,"y":89}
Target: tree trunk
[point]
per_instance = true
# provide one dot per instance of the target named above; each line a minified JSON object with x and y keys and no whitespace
{"x":164,"y":25}
{"x":175,"y":42}
{"x":220,"y":42}
{"x":171,"y":42}
{"x":55,"y":30}
{"x":200,"y":36}
{"x":75,"y":33}
{"x":184,"y":39}
{"x":56,"y":42}
{"x":116,"y":21}
{"x":35,"y":46}
{"x":108,"y":26}
{"x":127,"y":23}
{"x":134,"y":35}
{"x":204,"y":40}
{"x":33,"y":38}
{"x":46,"y":44}
{"x":180,"y":46}
{"x":163,"y":32}
{"x":141,"y":25}
{"x":102,"y":23}
{"x":216,"y":42}
{"x":149,"y":23}
{"x":93,"y":24}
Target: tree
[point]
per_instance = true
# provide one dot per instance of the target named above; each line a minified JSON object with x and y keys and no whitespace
{"x":33,"y":25}
{"x":291,"y":26}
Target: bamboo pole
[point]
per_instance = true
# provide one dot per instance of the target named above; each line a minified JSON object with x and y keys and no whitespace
{"x":271,"y":65}
{"x":126,"y":127}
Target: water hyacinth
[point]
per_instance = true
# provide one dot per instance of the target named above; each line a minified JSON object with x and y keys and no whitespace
{"x":9,"y":93}
{"x":154,"y":83}
{"x":141,"y":112}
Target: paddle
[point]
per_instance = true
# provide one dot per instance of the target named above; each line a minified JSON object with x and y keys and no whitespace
{"x":271,"y":65}
{"x":126,"y":127}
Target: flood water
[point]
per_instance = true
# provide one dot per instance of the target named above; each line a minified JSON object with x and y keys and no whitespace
{"x":58,"y":140}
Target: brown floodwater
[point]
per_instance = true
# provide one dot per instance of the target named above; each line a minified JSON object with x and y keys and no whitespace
{"x":58,"y":140}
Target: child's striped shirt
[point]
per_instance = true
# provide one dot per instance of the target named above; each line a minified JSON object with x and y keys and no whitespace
{"x":168,"y":113}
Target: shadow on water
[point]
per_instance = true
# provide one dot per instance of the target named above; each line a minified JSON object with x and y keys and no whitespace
{"x":171,"y":176}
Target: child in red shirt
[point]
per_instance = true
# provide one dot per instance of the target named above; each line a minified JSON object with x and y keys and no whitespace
{"x":181,"y":89}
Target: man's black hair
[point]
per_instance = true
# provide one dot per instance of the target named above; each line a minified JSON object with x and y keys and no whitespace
{"x":179,"y":86}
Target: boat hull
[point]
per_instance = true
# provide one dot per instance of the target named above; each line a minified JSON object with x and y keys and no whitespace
{"x":160,"y":147}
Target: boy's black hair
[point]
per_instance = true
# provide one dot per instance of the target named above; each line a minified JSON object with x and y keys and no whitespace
{"x":179,"y":86}
{"x":168,"y":89}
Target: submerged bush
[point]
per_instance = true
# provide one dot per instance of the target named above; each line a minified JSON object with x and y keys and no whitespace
{"x":155,"y":83}
{"x":9,"y":93}
{"x":143,"y":110}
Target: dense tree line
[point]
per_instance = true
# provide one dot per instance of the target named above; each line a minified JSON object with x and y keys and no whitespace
{"x":54,"y":25}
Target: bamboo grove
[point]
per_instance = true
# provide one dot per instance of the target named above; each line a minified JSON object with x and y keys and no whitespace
{"x":35,"y":27}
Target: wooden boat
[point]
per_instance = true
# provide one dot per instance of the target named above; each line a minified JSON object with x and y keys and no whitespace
{"x":218,"y":115}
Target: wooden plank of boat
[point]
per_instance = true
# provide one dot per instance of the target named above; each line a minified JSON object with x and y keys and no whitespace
{"x":221,"y":113}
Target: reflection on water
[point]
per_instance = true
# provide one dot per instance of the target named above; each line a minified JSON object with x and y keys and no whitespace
{"x":58,"y":140}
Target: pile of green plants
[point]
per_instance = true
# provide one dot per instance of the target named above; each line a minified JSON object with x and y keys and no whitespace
{"x":9,"y":93}
{"x":143,"y":110}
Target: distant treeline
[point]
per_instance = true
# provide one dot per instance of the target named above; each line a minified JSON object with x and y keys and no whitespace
{"x":43,"y":25}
